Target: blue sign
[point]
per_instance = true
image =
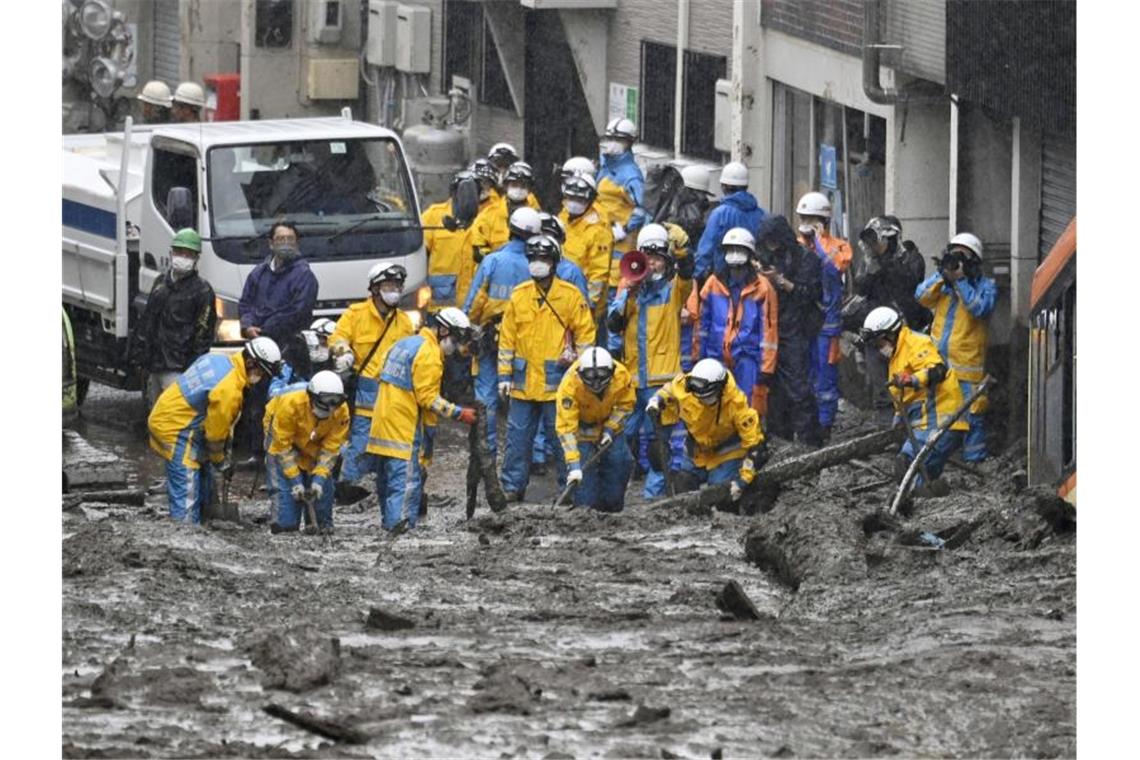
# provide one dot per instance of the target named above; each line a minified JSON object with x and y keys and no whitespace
{"x":827,"y":168}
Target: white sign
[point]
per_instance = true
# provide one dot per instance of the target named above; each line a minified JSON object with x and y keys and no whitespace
{"x":623,"y":102}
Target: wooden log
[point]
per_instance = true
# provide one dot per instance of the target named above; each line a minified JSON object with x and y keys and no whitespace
{"x":330,"y":729}
{"x":133,"y":496}
{"x":481,"y":466}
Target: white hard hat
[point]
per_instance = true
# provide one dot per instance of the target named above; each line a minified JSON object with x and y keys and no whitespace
{"x":264,"y":352}
{"x":622,"y":129}
{"x":191,"y":94}
{"x":706,"y":379}
{"x":734,"y":174}
{"x":695,"y":178}
{"x":156,"y":93}
{"x":968,"y":240}
{"x":882,"y":319}
{"x":739,"y":236}
{"x":653,"y":237}
{"x":525,"y":221}
{"x":814,"y":204}
{"x":387,"y":271}
{"x":503,"y":152}
{"x":453,"y":319}
{"x":326,"y":381}
{"x":579,"y":165}
{"x":323,"y":327}
{"x":596,"y":368}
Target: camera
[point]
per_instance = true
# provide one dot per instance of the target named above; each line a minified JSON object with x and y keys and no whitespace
{"x":950,"y":261}
{"x":766,"y":258}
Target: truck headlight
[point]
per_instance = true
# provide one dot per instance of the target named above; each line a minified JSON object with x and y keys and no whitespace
{"x":229,"y":326}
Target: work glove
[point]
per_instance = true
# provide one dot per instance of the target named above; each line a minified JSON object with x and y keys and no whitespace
{"x":759,"y":455}
{"x":467,"y":415}
{"x":567,"y":357}
{"x":574,"y":477}
{"x":653,"y":407}
{"x":619,"y":231}
{"x":313,"y":492}
{"x":606,"y":439}
{"x":735,"y":490}
{"x":298,"y":492}
{"x":504,"y":389}
{"x":904,"y":380}
{"x":685,"y":265}
{"x":343,"y":362}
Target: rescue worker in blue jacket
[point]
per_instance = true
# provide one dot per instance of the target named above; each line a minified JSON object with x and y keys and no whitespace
{"x":193,"y":419}
{"x":737,"y":208}
{"x":495,"y":280}
{"x":621,"y":190}
{"x":962,"y":299}
{"x":305,"y":428}
{"x":410,"y":397}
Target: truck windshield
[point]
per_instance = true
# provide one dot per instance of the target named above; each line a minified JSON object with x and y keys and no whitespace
{"x":322,"y":186}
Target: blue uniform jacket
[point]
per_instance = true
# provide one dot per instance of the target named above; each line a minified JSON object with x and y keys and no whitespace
{"x":623,"y":170}
{"x":737,"y":209}
{"x":500,"y":272}
{"x":280,"y":303}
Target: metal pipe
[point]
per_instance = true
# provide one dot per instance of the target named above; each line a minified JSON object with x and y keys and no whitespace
{"x":872,"y":87}
{"x":122,"y":267}
{"x":679,"y":79}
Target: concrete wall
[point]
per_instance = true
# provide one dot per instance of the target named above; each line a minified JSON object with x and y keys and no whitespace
{"x":922,"y":175}
{"x":212,"y":38}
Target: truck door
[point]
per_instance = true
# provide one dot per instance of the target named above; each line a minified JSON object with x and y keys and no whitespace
{"x":170,"y":202}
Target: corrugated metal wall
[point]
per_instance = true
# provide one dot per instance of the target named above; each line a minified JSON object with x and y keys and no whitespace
{"x":1058,"y":189}
{"x":167,"y":43}
{"x":920,"y":27}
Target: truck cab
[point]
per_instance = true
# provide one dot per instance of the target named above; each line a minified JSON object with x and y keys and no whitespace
{"x":344,"y":184}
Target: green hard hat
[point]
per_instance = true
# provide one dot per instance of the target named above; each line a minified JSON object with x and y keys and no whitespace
{"x":187,"y":238}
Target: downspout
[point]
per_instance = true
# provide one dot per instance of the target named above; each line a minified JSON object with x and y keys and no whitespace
{"x":872,"y":87}
{"x":679,"y":80}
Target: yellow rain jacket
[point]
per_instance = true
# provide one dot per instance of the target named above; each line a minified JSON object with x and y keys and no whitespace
{"x":722,"y":432}
{"x":534,"y":333}
{"x":200,"y":407}
{"x":960,"y":328}
{"x":450,"y":264}
{"x":915,"y":354}
{"x":589,"y":244}
{"x":409,"y":396}
{"x":358,"y":329}
{"x":301,"y":441}
{"x":581,"y":415}
{"x":652,"y":332}
{"x":490,"y":230}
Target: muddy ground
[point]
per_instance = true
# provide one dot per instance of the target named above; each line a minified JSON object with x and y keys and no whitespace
{"x":549,"y":633}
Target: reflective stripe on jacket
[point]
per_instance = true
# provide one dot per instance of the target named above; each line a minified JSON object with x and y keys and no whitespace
{"x":359,"y":328}
{"x":737,"y":324}
{"x":203,"y":405}
{"x":915,"y":354}
{"x":581,"y":415}
{"x":960,"y":327}
{"x":450,"y":264}
{"x":652,"y":332}
{"x":299,"y":440}
{"x":589,"y":244}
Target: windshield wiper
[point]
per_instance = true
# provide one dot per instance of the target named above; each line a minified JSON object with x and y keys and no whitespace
{"x":374,"y":218}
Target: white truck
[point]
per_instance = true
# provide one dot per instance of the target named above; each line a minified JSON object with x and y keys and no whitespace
{"x":345,"y":184}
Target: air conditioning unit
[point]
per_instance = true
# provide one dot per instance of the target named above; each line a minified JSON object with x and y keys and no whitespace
{"x":381,"y":49}
{"x":413,"y":39}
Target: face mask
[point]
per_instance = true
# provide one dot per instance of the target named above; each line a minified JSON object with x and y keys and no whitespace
{"x":319,"y":355}
{"x":707,"y":400}
{"x":886,"y":350}
{"x":538,"y":269}
{"x":656,"y":276}
{"x":575,"y":208}
{"x":611,"y":148}
{"x":319,"y":411}
{"x":735,"y":258}
{"x":389,"y":298}
{"x":182,"y":264}
{"x":285,"y":251}
{"x":448,"y":345}
{"x":517,"y":194}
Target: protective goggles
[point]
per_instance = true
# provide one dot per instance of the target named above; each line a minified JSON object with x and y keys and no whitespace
{"x":542,"y":245}
{"x":576,"y":187}
{"x":327,"y":402}
{"x":394,"y":273}
{"x":702,"y":388}
{"x":596,"y":377}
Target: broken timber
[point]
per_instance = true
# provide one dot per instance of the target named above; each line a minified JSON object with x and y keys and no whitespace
{"x":481,"y":466}
{"x":330,"y":729}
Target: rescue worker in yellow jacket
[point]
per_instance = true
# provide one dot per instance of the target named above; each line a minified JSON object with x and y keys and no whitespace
{"x":589,"y":239}
{"x":921,"y":383}
{"x":546,"y":325}
{"x":193,"y":419}
{"x":594,"y":401}
{"x":409,"y":395}
{"x":304,"y":431}
{"x":962,"y":299}
{"x":363,"y":336}
{"x":726,"y":442}
{"x":644,"y":322}
{"x":450,"y":264}
{"x":490,"y":230}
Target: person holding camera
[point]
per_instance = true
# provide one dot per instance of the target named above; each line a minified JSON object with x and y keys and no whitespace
{"x":795,"y":275}
{"x":962,"y":299}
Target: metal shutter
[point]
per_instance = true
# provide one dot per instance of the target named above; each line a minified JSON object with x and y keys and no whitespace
{"x":167,"y":43}
{"x":920,"y":27}
{"x":1058,"y":189}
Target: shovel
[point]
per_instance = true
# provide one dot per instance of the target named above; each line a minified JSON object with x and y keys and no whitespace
{"x":897,"y":403}
{"x":311,"y":511}
{"x":593,"y":460}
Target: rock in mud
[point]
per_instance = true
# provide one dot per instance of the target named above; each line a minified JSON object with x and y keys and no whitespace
{"x":645,"y":714}
{"x":502,"y":690}
{"x":296,"y":659}
{"x":382,"y":620}
{"x":733,"y":601}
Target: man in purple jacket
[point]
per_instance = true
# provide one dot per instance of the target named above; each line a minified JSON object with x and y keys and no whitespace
{"x":276,"y":302}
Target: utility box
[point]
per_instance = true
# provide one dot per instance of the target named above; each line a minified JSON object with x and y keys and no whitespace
{"x":326,"y":20}
{"x":722,"y":116}
{"x":381,"y":49}
{"x":413,"y":39}
{"x":333,"y":79}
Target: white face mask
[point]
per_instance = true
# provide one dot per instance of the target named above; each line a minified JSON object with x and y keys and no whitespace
{"x":656,"y":276}
{"x":886,"y":350}
{"x":182,"y":264}
{"x":389,"y":298}
{"x":735,"y":258}
{"x":319,"y":355}
{"x":517,"y":194}
{"x":448,"y":345}
{"x":707,"y":401}
{"x":538,"y":269}
{"x":576,"y":208}
{"x":611,"y":148}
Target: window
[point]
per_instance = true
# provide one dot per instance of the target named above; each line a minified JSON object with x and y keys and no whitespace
{"x":274,"y":23}
{"x":658,"y":92}
{"x":174,"y":188}
{"x":469,"y":51}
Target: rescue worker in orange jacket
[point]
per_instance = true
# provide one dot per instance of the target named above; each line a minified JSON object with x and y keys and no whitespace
{"x":737,"y":311}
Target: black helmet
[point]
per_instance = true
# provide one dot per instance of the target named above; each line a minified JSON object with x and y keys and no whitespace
{"x":519,"y":171}
{"x":545,"y":246}
{"x":552,"y":225}
{"x":459,"y":177}
{"x":482,"y":169}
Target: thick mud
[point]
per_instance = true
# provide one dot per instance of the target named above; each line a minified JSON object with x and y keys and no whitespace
{"x":549,"y":632}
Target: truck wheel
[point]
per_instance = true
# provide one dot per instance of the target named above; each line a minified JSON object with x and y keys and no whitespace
{"x":81,"y":386}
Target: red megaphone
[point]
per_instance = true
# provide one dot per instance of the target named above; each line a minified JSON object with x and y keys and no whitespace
{"x":634,"y":266}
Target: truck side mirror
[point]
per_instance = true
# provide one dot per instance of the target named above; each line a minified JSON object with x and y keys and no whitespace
{"x":179,"y":208}
{"x":465,"y":203}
